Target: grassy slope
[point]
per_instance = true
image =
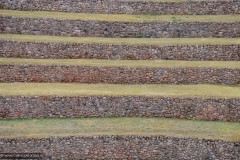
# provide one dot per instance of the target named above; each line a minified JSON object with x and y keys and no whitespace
{"x":75,"y":89}
{"x":148,"y":41}
{"x":40,"y":128}
{"x":126,"y":63}
{"x":155,"y":0}
{"x":122,"y":17}
{"x":163,"y":0}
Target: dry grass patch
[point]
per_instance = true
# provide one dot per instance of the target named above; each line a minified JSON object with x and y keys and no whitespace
{"x":163,"y":0}
{"x":149,"y":41}
{"x":75,"y":89}
{"x":152,"y":0}
{"x":125,"y":63}
{"x":42,"y":128}
{"x":121,"y":17}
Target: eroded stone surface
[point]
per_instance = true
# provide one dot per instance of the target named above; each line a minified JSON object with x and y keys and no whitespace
{"x":118,"y":51}
{"x":66,"y":27}
{"x":127,"y":6}
{"x":124,"y":147}
{"x":224,"y":109}
{"x":121,"y":75}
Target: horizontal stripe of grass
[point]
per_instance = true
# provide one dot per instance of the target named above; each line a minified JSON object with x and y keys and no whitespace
{"x":147,"y":41}
{"x":122,"y":17}
{"x":42,"y":128}
{"x":78,"y":89}
{"x":125,"y":63}
{"x":160,"y":0}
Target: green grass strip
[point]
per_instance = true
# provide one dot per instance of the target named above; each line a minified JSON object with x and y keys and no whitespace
{"x":147,"y":41}
{"x":42,"y":128}
{"x":125,"y":63}
{"x":158,"y":0}
{"x":75,"y":89}
{"x":122,"y":17}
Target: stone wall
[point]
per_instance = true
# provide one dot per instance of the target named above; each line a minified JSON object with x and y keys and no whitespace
{"x":223,"y":109}
{"x":124,"y":147}
{"x":127,"y":6}
{"x":118,"y":51}
{"x":128,"y":75}
{"x":66,"y":27}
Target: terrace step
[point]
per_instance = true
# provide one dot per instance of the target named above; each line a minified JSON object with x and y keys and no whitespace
{"x":121,"y":17}
{"x":42,"y":46}
{"x":129,"y":6}
{"x":62,"y":100}
{"x":120,"y":138}
{"x":122,"y":147}
{"x":118,"y":25}
{"x":43,"y":128}
{"x":119,"y":71}
{"x":78,"y":89}
{"x":128,"y":137}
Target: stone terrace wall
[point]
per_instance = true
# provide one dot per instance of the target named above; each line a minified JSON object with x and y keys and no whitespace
{"x":124,"y":147}
{"x":49,"y":26}
{"x":118,"y":51}
{"x":105,"y":74}
{"x":224,"y":109}
{"x":126,"y":6}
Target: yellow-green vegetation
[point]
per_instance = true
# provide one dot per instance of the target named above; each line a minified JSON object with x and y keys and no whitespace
{"x":121,"y":17}
{"x":157,"y":0}
{"x":149,"y":41}
{"x":125,"y":63}
{"x":74,"y":89}
{"x":40,"y":128}
{"x":162,"y":0}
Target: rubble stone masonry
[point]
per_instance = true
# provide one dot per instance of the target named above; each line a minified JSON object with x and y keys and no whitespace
{"x":66,"y":27}
{"x":127,"y":6}
{"x":223,"y":109}
{"x":123,"y":147}
{"x":120,"y":75}
{"x":45,"y":50}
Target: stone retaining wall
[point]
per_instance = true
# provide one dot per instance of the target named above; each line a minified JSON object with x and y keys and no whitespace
{"x":127,"y":6}
{"x":124,"y":147}
{"x":223,"y":109}
{"x":46,"y":50}
{"x":128,"y":75}
{"x":66,"y":27}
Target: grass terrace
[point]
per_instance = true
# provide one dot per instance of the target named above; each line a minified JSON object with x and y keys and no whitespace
{"x":43,"y":128}
{"x":121,"y":17}
{"x":125,"y":63}
{"x":129,"y":41}
{"x":161,"y":0}
{"x":78,"y":89}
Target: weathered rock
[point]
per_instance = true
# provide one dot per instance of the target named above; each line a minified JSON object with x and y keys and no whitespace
{"x":46,"y":50}
{"x":223,"y":109}
{"x":123,"y":147}
{"x":127,"y":6}
{"x":65,"y":27}
{"x":127,"y":75}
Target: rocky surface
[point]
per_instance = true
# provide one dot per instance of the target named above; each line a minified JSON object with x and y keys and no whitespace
{"x":128,"y":75}
{"x":66,"y":27}
{"x":124,"y":147}
{"x":127,"y":6}
{"x":224,"y":109}
{"x":118,"y":51}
